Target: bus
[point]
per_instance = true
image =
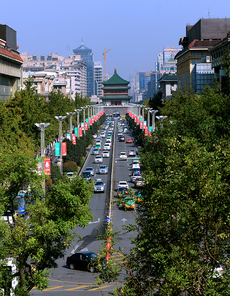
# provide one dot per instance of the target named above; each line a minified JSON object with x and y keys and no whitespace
{"x":21,"y":202}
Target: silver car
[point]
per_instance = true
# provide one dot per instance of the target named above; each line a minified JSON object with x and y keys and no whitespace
{"x":91,"y":170}
{"x":99,"y":186}
{"x":103,"y":169}
{"x":98,"y":159}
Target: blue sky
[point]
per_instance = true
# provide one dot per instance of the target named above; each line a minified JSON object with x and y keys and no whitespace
{"x":135,"y":30}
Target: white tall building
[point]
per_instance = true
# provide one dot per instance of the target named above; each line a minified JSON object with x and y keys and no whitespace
{"x":98,"y":78}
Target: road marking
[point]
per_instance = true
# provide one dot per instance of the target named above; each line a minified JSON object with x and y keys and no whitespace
{"x":96,"y":289}
{"x":74,"y":249}
{"x":85,"y":249}
{"x":76,"y":288}
{"x":93,"y":222}
{"x":123,"y":221}
{"x":53,"y":288}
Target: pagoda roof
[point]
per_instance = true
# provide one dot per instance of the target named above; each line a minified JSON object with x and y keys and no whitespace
{"x":115,"y":79}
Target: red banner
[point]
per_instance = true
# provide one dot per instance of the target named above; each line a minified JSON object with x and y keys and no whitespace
{"x":80,"y":131}
{"x":135,"y":119}
{"x":138,"y":120}
{"x":74,"y":139}
{"x":86,"y":126}
{"x":64,"y":149}
{"x":47,"y":167}
{"x":90,"y":121}
{"x":141,"y":124}
{"x":146,"y":131}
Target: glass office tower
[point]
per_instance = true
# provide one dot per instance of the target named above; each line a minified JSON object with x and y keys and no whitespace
{"x":87,"y":55}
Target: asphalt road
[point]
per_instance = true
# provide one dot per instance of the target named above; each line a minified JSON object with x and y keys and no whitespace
{"x":64,"y":281}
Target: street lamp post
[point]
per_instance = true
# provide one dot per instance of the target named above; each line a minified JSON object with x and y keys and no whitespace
{"x":153,"y":118}
{"x":42,"y":127}
{"x":71,"y":114}
{"x":161,"y":118}
{"x":60,"y":119}
{"x":83,"y":108}
{"x":77,"y":110}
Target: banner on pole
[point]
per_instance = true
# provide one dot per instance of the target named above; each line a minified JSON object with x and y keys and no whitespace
{"x":57,"y":149}
{"x":47,"y":167}
{"x":74,"y":139}
{"x":64,"y":149}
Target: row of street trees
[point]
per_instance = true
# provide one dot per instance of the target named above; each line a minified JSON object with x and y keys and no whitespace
{"x":34,"y":244}
{"x":183,"y":225}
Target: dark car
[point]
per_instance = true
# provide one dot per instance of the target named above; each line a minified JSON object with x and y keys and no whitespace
{"x":121,"y":139}
{"x":86,"y":175}
{"x":84,"y":260}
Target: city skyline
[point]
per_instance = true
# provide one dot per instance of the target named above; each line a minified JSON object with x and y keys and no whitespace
{"x":134,"y":31}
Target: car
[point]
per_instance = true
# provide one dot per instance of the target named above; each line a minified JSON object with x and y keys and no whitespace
{"x":129,"y":140}
{"x":136,"y":171}
{"x":95,"y":151}
{"x":103,"y":135}
{"x":103,"y":169}
{"x":105,"y":154}
{"x":125,"y":130}
{"x":136,"y":165}
{"x":106,"y":146}
{"x":98,"y":142}
{"x":98,"y":159}
{"x":99,"y":186}
{"x":122,"y":191}
{"x":98,"y":146}
{"x":84,"y":260}
{"x":108,"y":141}
{"x":121,"y":139}
{"x":134,"y":176}
{"x":129,"y":203}
{"x":132,"y":152}
{"x":86,"y":175}
{"x":91,"y":170}
{"x":70,"y":175}
{"x":123,"y":184}
{"x":123,"y":156}
{"x":7,"y":216}
{"x":119,"y":134}
{"x":94,"y":136}
{"x":139,"y":181}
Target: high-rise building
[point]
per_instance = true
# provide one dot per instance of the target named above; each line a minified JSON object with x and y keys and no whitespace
{"x":98,"y":78}
{"x":87,"y":55}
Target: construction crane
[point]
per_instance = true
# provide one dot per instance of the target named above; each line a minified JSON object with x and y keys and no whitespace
{"x":104,"y":54}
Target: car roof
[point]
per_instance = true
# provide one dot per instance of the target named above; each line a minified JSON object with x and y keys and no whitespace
{"x":85,"y":252}
{"x":88,"y":168}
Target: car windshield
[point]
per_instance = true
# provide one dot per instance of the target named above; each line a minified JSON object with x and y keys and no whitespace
{"x":99,"y":183}
{"x":102,"y":166}
{"x":89,"y":169}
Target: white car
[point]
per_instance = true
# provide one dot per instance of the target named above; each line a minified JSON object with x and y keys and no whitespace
{"x":98,"y":159}
{"x":106,"y":146}
{"x":105,"y":154}
{"x":123,"y":184}
{"x":123,"y":156}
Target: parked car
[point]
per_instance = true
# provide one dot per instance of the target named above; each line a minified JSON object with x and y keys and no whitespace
{"x":129,"y":203}
{"x":99,"y":186}
{"x":91,"y":170}
{"x":105,"y":154}
{"x":83,"y":260}
{"x":123,"y":184}
{"x":129,"y":140}
{"x":98,"y":159}
{"x":103,"y":169}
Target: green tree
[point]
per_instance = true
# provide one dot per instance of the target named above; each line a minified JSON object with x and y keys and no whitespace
{"x":183,"y":225}
{"x":38,"y":241}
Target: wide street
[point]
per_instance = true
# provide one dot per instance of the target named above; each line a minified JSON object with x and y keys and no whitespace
{"x":64,"y":281}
